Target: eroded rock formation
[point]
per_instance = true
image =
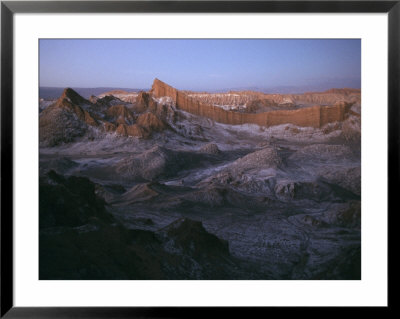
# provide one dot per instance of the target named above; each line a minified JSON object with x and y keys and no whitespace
{"x":65,"y":120}
{"x":72,"y":116}
{"x":314,"y":116}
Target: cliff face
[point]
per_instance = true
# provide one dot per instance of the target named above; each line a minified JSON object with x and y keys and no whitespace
{"x":160,"y":89}
{"x":314,"y":116}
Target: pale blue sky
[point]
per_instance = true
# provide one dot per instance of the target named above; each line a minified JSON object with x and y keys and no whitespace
{"x":200,"y":64}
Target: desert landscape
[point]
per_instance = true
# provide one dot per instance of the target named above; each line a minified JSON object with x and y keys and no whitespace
{"x":176,"y":184}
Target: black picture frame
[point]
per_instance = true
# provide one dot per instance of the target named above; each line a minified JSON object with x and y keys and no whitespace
{"x":9,"y":8}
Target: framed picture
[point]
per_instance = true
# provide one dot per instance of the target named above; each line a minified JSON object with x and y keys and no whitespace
{"x":175,"y":158}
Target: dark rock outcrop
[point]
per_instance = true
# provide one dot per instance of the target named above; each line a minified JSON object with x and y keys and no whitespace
{"x":69,"y":201}
{"x":79,"y":239}
{"x":73,"y":97}
{"x":191,"y":236}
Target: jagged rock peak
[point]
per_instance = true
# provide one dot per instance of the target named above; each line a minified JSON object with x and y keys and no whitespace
{"x":143,"y":98}
{"x":144,"y":102}
{"x":72,"y":96}
{"x":159,"y":82}
{"x":150,"y":122}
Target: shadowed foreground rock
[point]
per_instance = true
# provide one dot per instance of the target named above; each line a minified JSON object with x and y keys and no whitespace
{"x":79,"y":239}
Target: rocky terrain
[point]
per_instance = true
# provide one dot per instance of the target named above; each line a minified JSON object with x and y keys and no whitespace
{"x":138,"y":187}
{"x":256,"y":102}
{"x":122,"y":95}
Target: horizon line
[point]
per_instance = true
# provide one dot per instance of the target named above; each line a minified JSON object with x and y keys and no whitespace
{"x":244,"y":88}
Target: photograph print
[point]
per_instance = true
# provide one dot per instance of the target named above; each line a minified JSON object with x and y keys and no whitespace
{"x":199,"y":159}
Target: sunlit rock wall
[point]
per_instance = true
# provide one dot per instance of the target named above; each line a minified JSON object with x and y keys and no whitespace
{"x":314,"y":116}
